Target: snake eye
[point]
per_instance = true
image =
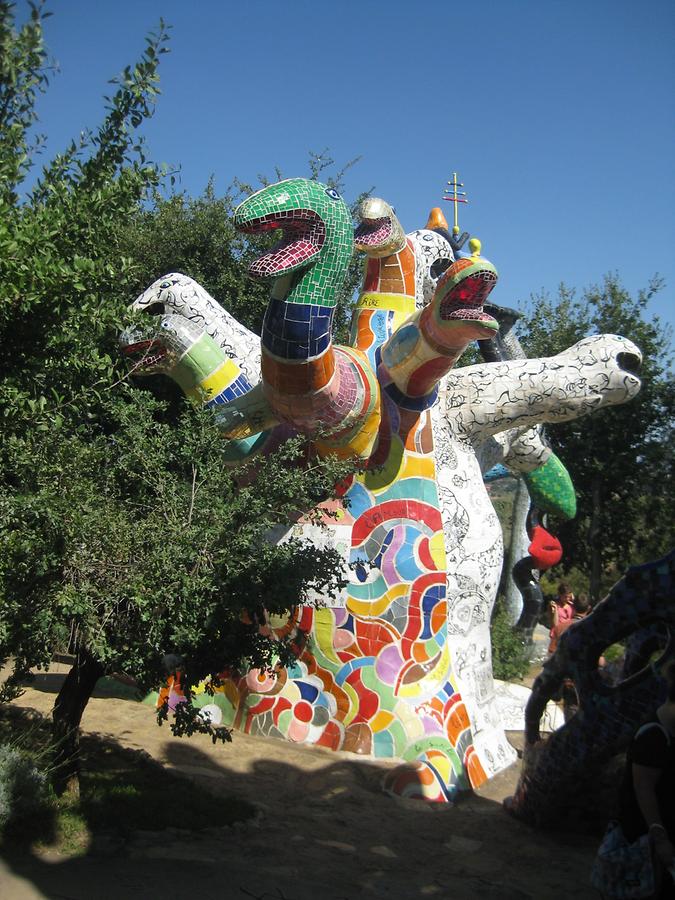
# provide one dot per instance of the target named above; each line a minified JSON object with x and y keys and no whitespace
{"x":332,"y":193}
{"x":164,"y":285}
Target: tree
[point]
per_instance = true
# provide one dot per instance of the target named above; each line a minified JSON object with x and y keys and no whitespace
{"x":196,"y":236}
{"x":620,"y":459}
{"x":60,"y":258}
{"x":123,"y":536}
{"x":133,"y":544}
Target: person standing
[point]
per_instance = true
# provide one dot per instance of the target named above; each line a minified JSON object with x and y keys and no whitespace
{"x":570,"y":698}
{"x":562,"y":613}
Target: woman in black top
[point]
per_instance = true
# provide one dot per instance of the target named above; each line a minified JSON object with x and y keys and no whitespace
{"x":647,"y":798}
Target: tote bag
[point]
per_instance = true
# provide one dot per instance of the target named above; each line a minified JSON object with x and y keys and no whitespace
{"x":623,"y":871}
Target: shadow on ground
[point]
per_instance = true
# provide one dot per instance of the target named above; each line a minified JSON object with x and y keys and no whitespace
{"x":323,"y":829}
{"x":328,"y":832}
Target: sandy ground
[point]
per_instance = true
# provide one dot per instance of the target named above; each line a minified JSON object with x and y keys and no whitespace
{"x":324,"y":829}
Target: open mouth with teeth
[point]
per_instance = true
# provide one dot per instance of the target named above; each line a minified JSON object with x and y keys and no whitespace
{"x":145,"y":354}
{"x":303,"y":237}
{"x":373,"y":232}
{"x":465,"y":296}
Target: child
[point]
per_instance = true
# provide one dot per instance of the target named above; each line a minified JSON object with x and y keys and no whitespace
{"x":582,"y":606}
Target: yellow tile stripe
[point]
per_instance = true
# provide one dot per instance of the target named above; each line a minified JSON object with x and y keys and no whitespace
{"x":223,"y":376}
{"x":420,"y":466}
{"x":324,"y":627}
{"x":396,"y":302}
{"x":374,"y":608}
{"x":353,"y":706}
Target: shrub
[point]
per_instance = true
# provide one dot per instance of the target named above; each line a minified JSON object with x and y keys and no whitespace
{"x":510,"y":655}
{"x":24,"y":790}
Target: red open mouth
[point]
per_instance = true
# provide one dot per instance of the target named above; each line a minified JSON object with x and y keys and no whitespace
{"x":373,"y":232}
{"x":145,"y":354}
{"x":304,"y":234}
{"x":464,"y":300}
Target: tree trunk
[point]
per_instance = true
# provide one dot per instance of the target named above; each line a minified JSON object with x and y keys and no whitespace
{"x":66,"y":717}
{"x":595,"y":541}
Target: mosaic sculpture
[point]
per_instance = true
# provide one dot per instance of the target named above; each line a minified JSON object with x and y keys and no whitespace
{"x":640,"y":607}
{"x":399,"y":666}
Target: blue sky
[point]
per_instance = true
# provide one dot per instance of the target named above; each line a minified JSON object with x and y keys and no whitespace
{"x":558,"y":116}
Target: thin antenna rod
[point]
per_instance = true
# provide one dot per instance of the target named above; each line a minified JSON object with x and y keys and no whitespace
{"x":455,"y":197}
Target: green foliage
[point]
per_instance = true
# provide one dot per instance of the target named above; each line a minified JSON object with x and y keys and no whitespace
{"x":621,"y":459}
{"x":614,"y":653}
{"x":197,"y":237}
{"x":122,"y":532}
{"x":141,"y":542}
{"x":510,"y":656}
{"x":503,"y":495}
{"x":63,"y":272}
{"x":24,"y":788}
{"x":23,"y":75}
{"x":470,"y":357}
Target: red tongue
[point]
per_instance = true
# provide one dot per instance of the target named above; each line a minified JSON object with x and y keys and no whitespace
{"x":284,"y":257}
{"x":138,"y":347}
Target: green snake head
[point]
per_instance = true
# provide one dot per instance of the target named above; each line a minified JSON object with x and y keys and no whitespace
{"x":380,"y":233}
{"x":316,"y":236}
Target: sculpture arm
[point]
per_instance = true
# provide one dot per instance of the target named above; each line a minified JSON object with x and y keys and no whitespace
{"x":214,"y":359}
{"x":525,"y":452}
{"x":487,"y":399}
{"x":519,"y":449}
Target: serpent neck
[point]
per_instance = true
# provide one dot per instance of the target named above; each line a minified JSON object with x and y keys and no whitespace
{"x":319,"y":283}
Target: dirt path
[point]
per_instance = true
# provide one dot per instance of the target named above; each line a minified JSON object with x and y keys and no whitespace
{"x":324,"y":830}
